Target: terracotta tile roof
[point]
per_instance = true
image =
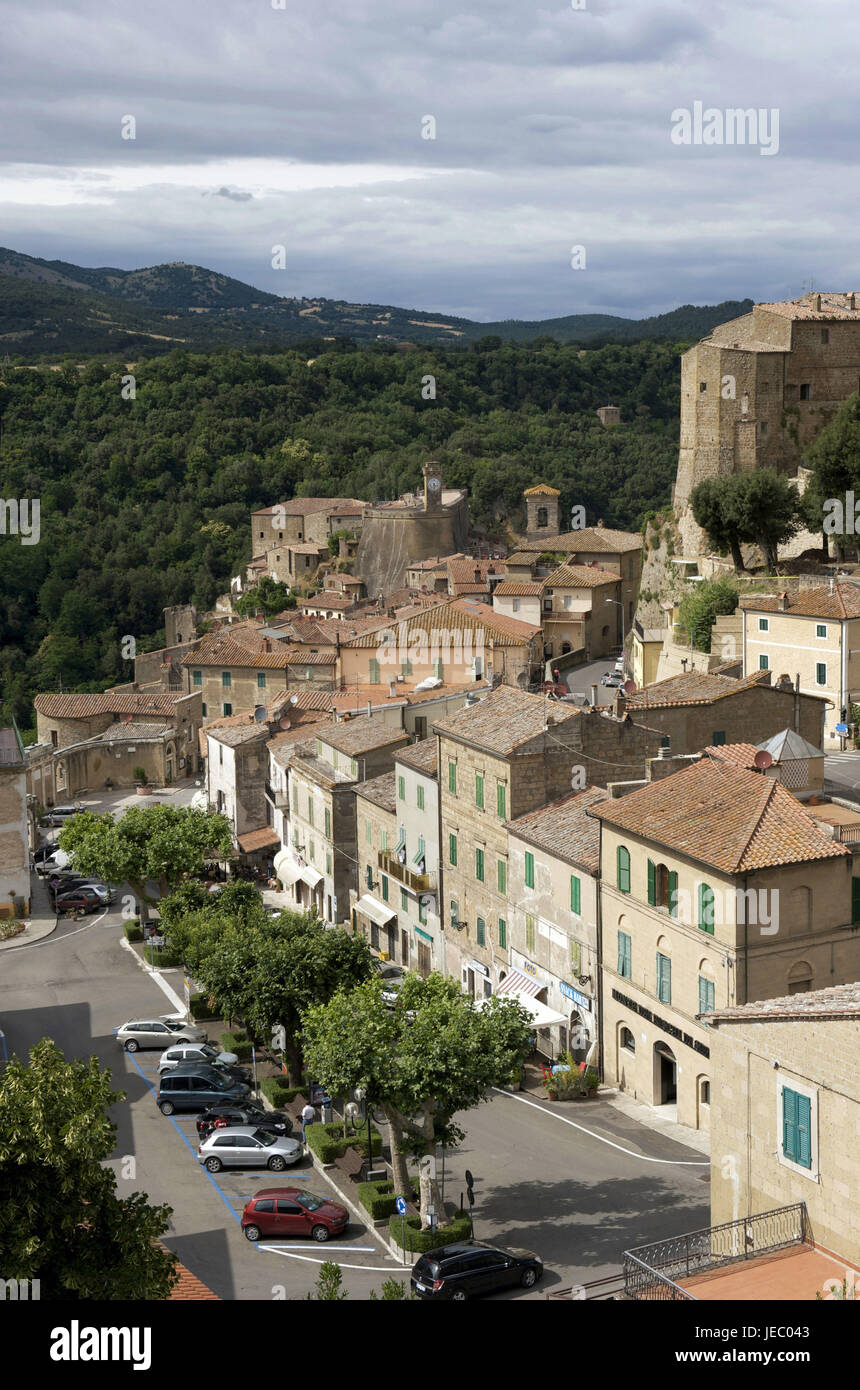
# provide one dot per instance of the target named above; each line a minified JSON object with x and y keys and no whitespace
{"x":223,"y":649}
{"x":541,"y":490}
{"x":740,"y":754}
{"x":189,"y":1289}
{"x":834,"y":305}
{"x":258,"y":839}
{"x":314,"y":699}
{"x":327,"y":599}
{"x":843,"y":602}
{"x":692,"y":688}
{"x":523,"y":557}
{"x":563,"y":828}
{"x":345,"y":630}
{"x":836,"y":1001}
{"x":504,"y":719}
{"x":382,"y":791}
{"x":63,"y":706}
{"x":308,"y":506}
{"x":139,"y":732}
{"x":362,"y":734}
{"x":579,"y":577}
{"x":587,"y":540}
{"x":721,"y":815}
{"x":451,"y":615}
{"x":422,"y":756}
{"x":234,"y":735}
{"x":518,"y":588}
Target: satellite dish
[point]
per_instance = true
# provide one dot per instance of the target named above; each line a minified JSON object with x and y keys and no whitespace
{"x":629,"y":687}
{"x":763,"y":759}
{"x":260,"y":714}
{"x":294,"y":699}
{"x":284,"y":724}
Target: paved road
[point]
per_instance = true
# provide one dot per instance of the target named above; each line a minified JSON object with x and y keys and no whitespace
{"x":580,"y":679}
{"x":842,"y":774}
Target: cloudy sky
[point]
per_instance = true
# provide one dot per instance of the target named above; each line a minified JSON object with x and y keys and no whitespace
{"x":300,"y":123}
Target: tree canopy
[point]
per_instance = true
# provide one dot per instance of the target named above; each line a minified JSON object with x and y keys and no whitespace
{"x":760,"y":507}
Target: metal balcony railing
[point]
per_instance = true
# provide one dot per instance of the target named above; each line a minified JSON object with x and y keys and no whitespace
{"x":418,"y":883}
{"x":279,"y":799}
{"x":654,"y":1271}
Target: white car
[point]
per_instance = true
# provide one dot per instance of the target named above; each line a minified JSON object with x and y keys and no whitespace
{"x":194,"y":1052}
{"x":157,"y":1032}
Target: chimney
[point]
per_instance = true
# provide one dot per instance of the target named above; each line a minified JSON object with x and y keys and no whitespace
{"x":392,"y":689}
{"x":851,"y":302}
{"x":618,"y":704}
{"x":594,"y":694}
{"x":267,"y":645}
{"x":782,"y":601}
{"x":817,"y":303}
{"x":369,"y":707}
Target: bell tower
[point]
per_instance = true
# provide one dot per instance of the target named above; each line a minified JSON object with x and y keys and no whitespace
{"x":432,"y":485}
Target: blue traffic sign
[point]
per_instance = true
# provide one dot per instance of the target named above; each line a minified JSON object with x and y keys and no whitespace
{"x":401,"y":1206}
{"x":842,"y":728}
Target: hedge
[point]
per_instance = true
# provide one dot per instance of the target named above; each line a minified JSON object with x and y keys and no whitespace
{"x":276,"y":1090}
{"x":200,"y":1007}
{"x":328,"y":1142}
{"x":239,"y":1043}
{"x":413,"y":1238}
{"x":377,"y":1198}
{"x":133,"y":931}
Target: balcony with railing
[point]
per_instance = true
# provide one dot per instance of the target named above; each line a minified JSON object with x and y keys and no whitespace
{"x":279,"y":799}
{"x":410,"y":878}
{"x":754,"y":1248}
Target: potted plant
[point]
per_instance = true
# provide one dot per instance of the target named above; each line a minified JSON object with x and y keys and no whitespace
{"x":590,"y":1082}
{"x":549,"y":1083}
{"x":141,"y":781}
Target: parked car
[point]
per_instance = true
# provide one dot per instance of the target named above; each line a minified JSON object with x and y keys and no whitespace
{"x":471,"y":1268}
{"x":226,"y":1115}
{"x":157,"y":1032}
{"x":392,"y":978}
{"x":85,"y":898}
{"x":196,"y":1086}
{"x":613,"y":679}
{"x":248,"y":1147}
{"x":45,"y":852}
{"x":290,"y":1211}
{"x":66,"y":882}
{"x":54,"y":863}
{"x":181,"y":1052}
{"x":58,"y":815}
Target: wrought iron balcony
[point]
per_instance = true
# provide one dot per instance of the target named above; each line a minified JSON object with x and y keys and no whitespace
{"x":279,"y":799}
{"x":418,"y":883}
{"x":655,"y":1271}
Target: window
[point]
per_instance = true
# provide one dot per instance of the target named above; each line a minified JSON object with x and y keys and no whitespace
{"x":383,"y":841}
{"x":439,"y":670}
{"x":516,"y":605}
{"x":763,"y":663}
{"x":328,"y":863}
{"x":821,"y":629}
{"x":261,"y":680}
{"x":703,"y":386}
{"x":820,"y":673}
{"x":202,"y":711}
{"x":226,"y":679}
{"x":503,"y":934}
{"x":763,"y":427}
{"x":452,"y":851}
{"x":500,"y":800}
{"x":764,"y":624}
{"x":374,"y":671}
{"x":313,"y":852}
{"x":501,"y":876}
{"x":227,"y":709}
{"x":574,"y":893}
{"x":805,"y":391}
{"x":401,"y":788}
{"x":530,"y":870}
{"x":628,"y":1042}
{"x":452,"y":778}
{"x":404,"y":900}
{"x":479,"y":791}
{"x":197,"y":677}
{"x":481,"y":930}
{"x":825,"y":335}
{"x":319,"y":751}
{"x":796,"y":1127}
{"x":419,"y":796}
{"x":310,"y":809}
{"x":406,"y":668}
{"x":664,"y":979}
{"x":622,"y":865}
{"x":855,"y":900}
{"x":384,"y":887}
{"x":368,"y":834}
{"x":479,"y":865}
{"x":420,"y":853}
{"x":706,"y":995}
{"x":530,"y":934}
{"x":706,"y":909}
{"x":422,"y":916}
{"x":718,"y":738}
{"x":662,"y":887}
{"x":327,"y":813}
{"x":369,"y":876}
{"x":575,"y":951}
{"x":625,"y":955}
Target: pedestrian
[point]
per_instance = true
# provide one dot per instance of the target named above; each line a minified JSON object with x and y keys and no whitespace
{"x":308,"y":1117}
{"x":556,"y":675}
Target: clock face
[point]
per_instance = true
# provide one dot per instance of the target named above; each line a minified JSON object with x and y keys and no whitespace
{"x":434,"y":484}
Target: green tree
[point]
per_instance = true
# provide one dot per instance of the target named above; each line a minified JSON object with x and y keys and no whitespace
{"x":702,"y":604}
{"x":769,"y":510}
{"x":434,"y":1054}
{"x":834,"y":457}
{"x":160,"y":844}
{"x":328,"y":1287}
{"x":711,"y":501}
{"x":392,"y":1292}
{"x":61,"y":1221}
{"x":269,"y":597}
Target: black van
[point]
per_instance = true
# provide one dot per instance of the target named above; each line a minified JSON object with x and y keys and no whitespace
{"x":196,"y":1086}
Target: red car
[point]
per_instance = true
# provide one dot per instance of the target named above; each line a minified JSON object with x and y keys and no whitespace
{"x":290,"y":1211}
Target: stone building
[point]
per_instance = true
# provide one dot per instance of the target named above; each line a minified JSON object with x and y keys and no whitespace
{"x":757,"y":390}
{"x":553,"y":867}
{"x":396,"y":534}
{"x":236,"y":670}
{"x":785,"y":1113}
{"x":717,"y":887}
{"x":236,"y":769}
{"x":700,"y":708}
{"x":814,"y":633}
{"x":303,"y":519}
{"x":500,"y":758}
{"x":619,"y":551}
{"x":14,"y":826}
{"x":542,"y":508}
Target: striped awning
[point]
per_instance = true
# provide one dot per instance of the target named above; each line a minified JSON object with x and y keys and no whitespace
{"x":516,"y":982}
{"x":376,"y":911}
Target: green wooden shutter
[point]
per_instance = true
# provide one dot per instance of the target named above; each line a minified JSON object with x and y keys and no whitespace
{"x":530,"y":870}
{"x":625,"y":955}
{"x":706,"y":995}
{"x":622,"y":860}
{"x":479,"y":865}
{"x":664,"y":979}
{"x":481,"y":931}
{"x":706,"y":908}
{"x":673,"y":893}
{"x":479,"y":791}
{"x":574,"y":893}
{"x":652,"y":882}
{"x":374,"y":671}
{"x":452,"y":851}
{"x":575,"y":956}
{"x":789,"y":1124}
{"x":500,"y":799}
{"x":804,"y":1131}
{"x":503,"y":934}
{"x":501,"y":876}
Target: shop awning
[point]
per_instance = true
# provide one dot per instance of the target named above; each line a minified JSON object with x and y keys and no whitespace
{"x":376,"y":911}
{"x":517,"y":985}
{"x":286,"y":869}
{"x":310,"y":876}
{"x":516,"y":982}
{"x":258,"y":839}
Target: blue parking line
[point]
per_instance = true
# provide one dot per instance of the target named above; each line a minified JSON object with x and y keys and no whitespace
{"x":203,"y":1170}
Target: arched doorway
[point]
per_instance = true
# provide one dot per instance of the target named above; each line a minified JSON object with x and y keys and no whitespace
{"x":579,"y":1035}
{"x":665,"y":1075}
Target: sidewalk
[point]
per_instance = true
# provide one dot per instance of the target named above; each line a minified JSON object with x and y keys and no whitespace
{"x":42,"y":919}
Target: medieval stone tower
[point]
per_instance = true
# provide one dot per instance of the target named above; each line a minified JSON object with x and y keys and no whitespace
{"x":415,"y":527}
{"x":758,"y":389}
{"x":541,"y":511}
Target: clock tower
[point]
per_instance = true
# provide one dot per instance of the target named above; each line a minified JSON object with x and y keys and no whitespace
{"x":432,"y":485}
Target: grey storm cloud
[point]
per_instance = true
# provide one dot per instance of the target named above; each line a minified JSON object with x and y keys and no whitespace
{"x":303,"y":126}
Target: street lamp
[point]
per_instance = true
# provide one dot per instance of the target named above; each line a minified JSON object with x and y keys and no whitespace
{"x":620,"y":605}
{"x":362,"y":1095}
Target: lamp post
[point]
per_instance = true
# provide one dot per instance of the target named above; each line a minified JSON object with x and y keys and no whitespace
{"x":620,"y":605}
{"x":362,"y":1095}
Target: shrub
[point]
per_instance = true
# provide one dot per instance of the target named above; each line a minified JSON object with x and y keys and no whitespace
{"x":133,"y":931}
{"x":411,"y":1237}
{"x":328,"y":1142}
{"x":377,"y":1198}
{"x":139,"y":775}
{"x":276,"y":1090}
{"x":200,"y":1006}
{"x":239,"y":1043}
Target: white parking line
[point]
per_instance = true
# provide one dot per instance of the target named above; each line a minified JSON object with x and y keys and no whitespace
{"x":291,"y":1255}
{"x":673,"y":1162}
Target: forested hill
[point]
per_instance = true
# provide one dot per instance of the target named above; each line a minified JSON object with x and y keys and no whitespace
{"x":145,"y":502}
{"x":50,"y":308}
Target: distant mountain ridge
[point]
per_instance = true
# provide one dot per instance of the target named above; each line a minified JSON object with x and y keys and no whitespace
{"x":51,"y":307}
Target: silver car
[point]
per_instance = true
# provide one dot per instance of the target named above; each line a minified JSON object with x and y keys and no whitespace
{"x":247,"y":1147}
{"x":183,"y":1051}
{"x":158,"y":1032}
